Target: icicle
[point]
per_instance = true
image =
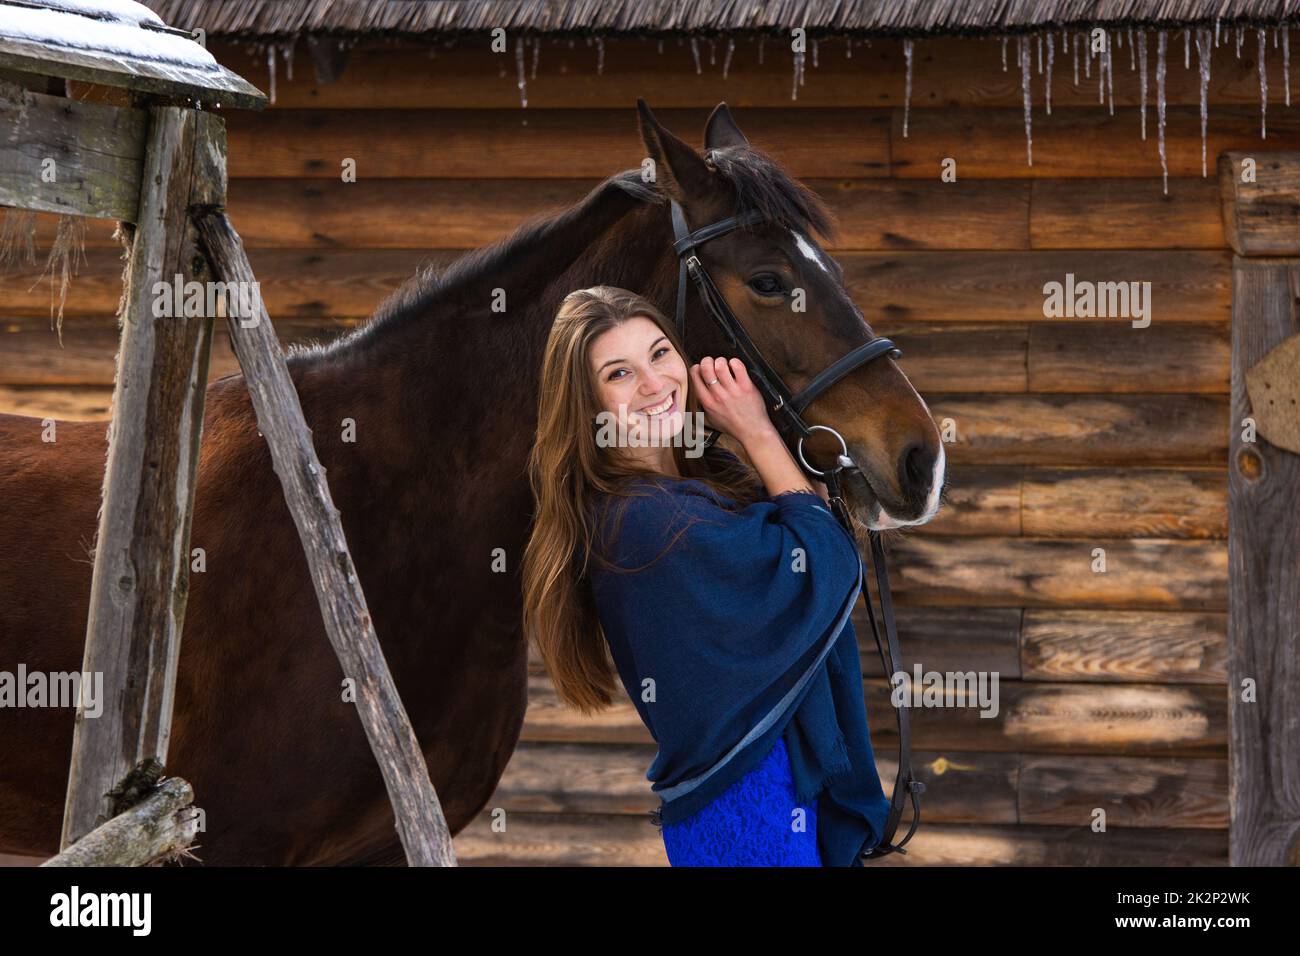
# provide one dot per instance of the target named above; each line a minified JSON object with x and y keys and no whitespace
{"x":848,"y":48}
{"x":1142,"y":78}
{"x":907,"y":85}
{"x":1110,"y":79}
{"x":537,"y":53}
{"x":600,"y":55}
{"x":726,"y":61}
{"x":1075,"y":58}
{"x":1132,"y":52}
{"x":1216,"y":33}
{"x":798,"y":75}
{"x":270,"y":65}
{"x":1101,"y":67}
{"x":661,"y":46}
{"x":814,"y":53}
{"x":288,"y":61}
{"x":1022,"y":50}
{"x":1241,"y":35}
{"x":1203,"y":65}
{"x":713,"y":60}
{"x":1161,"y":42}
{"x":1004,"y":54}
{"x":1286,"y":61}
{"x":521,"y":81}
{"x":1263,"y":83}
{"x":1087,"y":61}
{"x":1187,"y":49}
{"x":1040,"y":54}
{"x":695,"y":53}
{"x":1051,"y":55}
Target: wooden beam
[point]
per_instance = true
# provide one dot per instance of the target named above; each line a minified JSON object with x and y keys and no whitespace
{"x":1261,"y":215}
{"x":162,"y":824}
{"x":1264,"y":579}
{"x":420,"y":822}
{"x":210,"y":84}
{"x":141,"y":575}
{"x":63,"y":156}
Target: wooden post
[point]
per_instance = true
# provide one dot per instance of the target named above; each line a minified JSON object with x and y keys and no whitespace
{"x":1262,"y":218}
{"x":141,"y":576}
{"x":420,"y":822}
{"x":162,"y":824}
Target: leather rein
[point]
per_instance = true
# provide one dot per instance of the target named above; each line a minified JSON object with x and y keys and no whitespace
{"x":787,"y":410}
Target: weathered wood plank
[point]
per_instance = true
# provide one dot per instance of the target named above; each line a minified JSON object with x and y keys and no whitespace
{"x":1133,"y":503}
{"x":1074,"y":142}
{"x":1134,"y":719}
{"x":552,"y":839}
{"x":1007,"y":287}
{"x":71,"y":158}
{"x":542,"y":144}
{"x":1261,"y":217}
{"x":64,"y":403}
{"x":1120,"y":430}
{"x":1263,"y":615}
{"x":948,"y":72}
{"x":1109,"y":355}
{"x":1125,"y":214}
{"x":1135,"y":792}
{"x":1141,"y":573}
{"x":420,"y":821}
{"x":141,"y":569}
{"x":897,"y":290}
{"x":443,"y":214}
{"x":1170,"y":647}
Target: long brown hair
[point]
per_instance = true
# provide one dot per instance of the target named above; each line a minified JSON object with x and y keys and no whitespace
{"x":573,"y":478}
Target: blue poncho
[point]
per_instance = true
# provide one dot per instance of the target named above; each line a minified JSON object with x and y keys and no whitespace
{"x":737,"y":634}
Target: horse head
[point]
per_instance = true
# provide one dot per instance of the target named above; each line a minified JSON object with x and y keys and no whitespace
{"x":790,"y":297}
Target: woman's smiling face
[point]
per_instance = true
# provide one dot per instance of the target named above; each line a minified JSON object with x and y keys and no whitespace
{"x":641,"y":378}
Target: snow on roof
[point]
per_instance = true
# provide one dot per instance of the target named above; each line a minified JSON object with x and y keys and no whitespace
{"x":123,"y":11}
{"x":126,"y":33}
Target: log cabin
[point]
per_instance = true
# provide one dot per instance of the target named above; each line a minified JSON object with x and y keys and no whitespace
{"x":1083,"y":554}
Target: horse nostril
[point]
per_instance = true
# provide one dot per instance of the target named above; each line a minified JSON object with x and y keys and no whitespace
{"x":916,"y":467}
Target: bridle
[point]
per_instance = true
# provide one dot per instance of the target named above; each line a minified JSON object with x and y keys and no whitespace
{"x":787,"y":410}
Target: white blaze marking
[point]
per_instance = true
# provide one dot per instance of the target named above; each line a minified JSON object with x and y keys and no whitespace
{"x":809,"y":250}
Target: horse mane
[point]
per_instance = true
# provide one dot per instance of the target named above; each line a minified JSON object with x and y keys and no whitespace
{"x":760,"y":183}
{"x":414,"y":297}
{"x":757,"y":179}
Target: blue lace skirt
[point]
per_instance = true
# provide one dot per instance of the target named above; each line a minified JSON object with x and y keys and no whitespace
{"x":751,"y":823}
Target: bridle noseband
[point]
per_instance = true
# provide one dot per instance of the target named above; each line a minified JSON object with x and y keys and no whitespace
{"x":788,"y":411}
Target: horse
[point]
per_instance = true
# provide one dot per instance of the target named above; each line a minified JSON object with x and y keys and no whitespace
{"x":441,"y":385}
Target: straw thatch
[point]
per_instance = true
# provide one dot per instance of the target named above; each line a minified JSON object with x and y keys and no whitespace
{"x":284,"y":18}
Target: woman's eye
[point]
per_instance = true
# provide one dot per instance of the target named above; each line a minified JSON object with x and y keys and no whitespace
{"x":767,"y":284}
{"x":662,"y":350}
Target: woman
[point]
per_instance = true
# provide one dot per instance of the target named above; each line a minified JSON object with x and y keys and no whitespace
{"x":723,"y":601}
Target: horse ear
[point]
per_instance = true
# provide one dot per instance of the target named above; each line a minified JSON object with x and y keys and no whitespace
{"x":721,"y":131}
{"x":678,"y":168}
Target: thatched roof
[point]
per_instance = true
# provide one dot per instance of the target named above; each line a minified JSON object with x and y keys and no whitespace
{"x":285,"y":18}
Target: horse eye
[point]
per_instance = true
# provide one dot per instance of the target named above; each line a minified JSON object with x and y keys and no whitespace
{"x":766,"y":283}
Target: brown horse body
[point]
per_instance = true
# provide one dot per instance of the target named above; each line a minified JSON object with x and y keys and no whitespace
{"x":443,"y":393}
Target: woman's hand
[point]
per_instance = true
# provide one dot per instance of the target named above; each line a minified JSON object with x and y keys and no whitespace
{"x":733,"y":405}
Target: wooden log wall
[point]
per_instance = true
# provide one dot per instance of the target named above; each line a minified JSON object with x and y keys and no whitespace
{"x":1071,"y":435}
